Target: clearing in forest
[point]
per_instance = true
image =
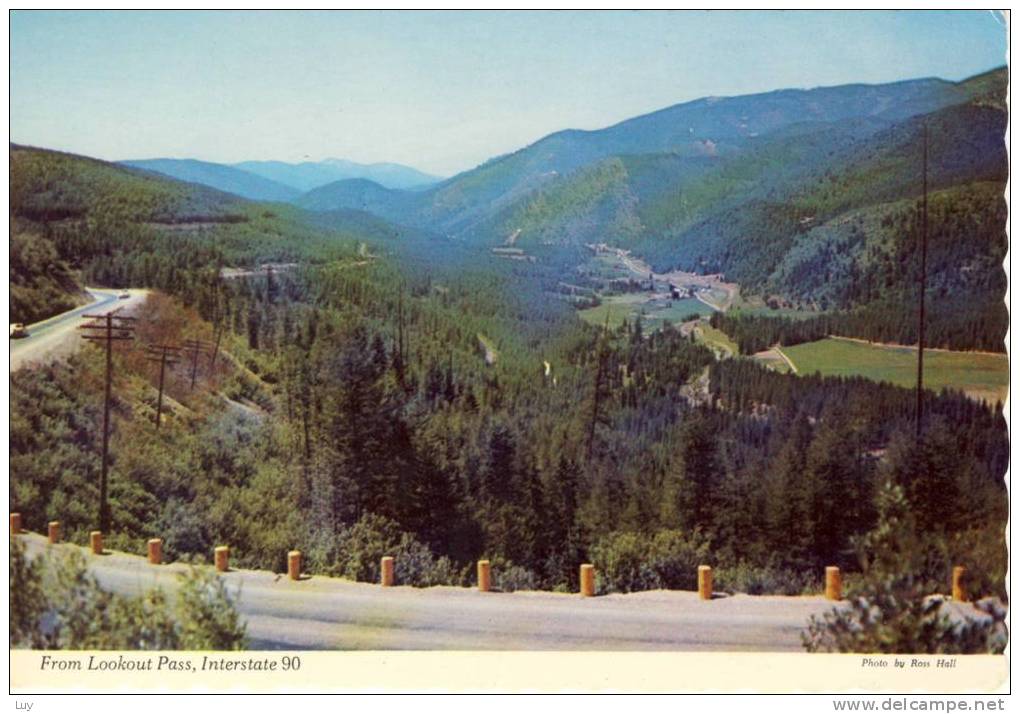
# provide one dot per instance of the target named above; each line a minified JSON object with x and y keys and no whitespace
{"x":981,"y":375}
{"x":654,"y":311}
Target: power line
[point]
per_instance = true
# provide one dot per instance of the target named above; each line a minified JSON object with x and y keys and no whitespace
{"x":108,"y":328}
{"x":923,"y":280}
{"x":164,"y":354}
{"x":193,"y":348}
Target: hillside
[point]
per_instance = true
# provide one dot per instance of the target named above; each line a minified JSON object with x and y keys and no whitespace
{"x":54,"y":186}
{"x":751,"y":201}
{"x":77,"y":220}
{"x":218,"y":176}
{"x":40,"y":283}
{"x":357,"y":194}
{"x":67,"y":211}
{"x":712,"y":127}
{"x":384,"y":398}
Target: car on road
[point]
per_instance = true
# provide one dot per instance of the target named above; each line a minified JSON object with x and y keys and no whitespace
{"x":18,"y":331}
{"x":124,"y":295}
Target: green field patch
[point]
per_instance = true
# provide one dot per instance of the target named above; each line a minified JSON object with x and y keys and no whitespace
{"x":608,"y":267}
{"x":654,"y":313}
{"x":772,"y":360}
{"x":980,"y":375}
{"x":716,"y":339}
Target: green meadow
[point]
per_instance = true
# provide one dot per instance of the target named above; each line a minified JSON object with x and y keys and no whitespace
{"x":653,"y":314}
{"x":980,"y":374}
{"x":716,"y":339}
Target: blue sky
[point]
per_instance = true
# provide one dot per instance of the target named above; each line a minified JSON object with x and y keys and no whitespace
{"x":438,"y":91}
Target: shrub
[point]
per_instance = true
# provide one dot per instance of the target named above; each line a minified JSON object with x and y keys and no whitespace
{"x":629,"y":562}
{"x":508,"y":577}
{"x":891,"y":612}
{"x":415,"y":564}
{"x":57,"y":604}
{"x":27,"y":598}
{"x":183,"y":529}
{"x":758,"y":580}
{"x":357,"y":551}
{"x":206,"y":618}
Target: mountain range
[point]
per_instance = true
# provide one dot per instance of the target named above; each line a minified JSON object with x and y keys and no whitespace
{"x":280,"y":181}
{"x":714,"y":140}
{"x":803,"y":194}
{"x":308,"y":175}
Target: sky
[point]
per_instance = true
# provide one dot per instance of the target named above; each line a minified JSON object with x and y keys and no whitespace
{"x":440,"y":91}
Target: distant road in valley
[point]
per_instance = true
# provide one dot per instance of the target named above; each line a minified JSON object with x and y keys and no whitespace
{"x":680,"y":277}
{"x":59,"y":336}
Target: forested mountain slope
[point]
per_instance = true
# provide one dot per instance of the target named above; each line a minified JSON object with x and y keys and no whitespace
{"x":381,"y":398}
{"x":77,"y":220}
{"x":763,"y":199}
{"x":706,"y":127}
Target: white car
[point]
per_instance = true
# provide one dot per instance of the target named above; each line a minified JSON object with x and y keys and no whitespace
{"x":124,"y":295}
{"x":18,"y":330}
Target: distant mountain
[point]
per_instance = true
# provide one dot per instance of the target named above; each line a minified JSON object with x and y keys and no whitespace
{"x":77,"y":220}
{"x":802,"y":194}
{"x":225,"y":178}
{"x":712,"y":129}
{"x":356,"y":194}
{"x":309,"y":175}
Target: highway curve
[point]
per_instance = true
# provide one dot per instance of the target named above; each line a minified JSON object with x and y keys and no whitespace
{"x":330,"y":613}
{"x":58,"y":336}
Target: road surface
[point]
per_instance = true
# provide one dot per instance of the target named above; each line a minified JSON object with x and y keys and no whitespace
{"x":330,"y":613}
{"x":59,"y":335}
{"x":789,"y":362}
{"x":681,"y":277}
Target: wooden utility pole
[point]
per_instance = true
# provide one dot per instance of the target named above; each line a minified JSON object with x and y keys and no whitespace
{"x":269,"y":283}
{"x":399,"y":361}
{"x":923,"y":280}
{"x":216,"y":347}
{"x":601,"y":357}
{"x":164,"y":354}
{"x":194,"y":348}
{"x":108,"y":328}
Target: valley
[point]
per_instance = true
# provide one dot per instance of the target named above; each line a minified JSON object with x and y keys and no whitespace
{"x":657,"y":345}
{"x":679,"y":297}
{"x":658,"y":298}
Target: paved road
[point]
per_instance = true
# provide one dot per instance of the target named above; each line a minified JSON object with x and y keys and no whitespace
{"x":329,"y":613}
{"x":58,"y":336}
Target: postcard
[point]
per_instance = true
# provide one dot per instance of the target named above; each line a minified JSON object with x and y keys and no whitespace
{"x":452,"y":351}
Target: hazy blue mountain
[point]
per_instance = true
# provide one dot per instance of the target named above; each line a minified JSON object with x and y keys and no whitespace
{"x":710,"y":129}
{"x":309,"y":175}
{"x":739,"y":212}
{"x":219,"y":176}
{"x":359,"y":195}
{"x":805,"y":195}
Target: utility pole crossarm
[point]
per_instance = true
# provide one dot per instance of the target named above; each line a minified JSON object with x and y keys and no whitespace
{"x":164,"y":354}
{"x":194,"y":348}
{"x":108,"y":328}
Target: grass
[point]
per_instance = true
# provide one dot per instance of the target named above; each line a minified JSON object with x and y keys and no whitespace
{"x":980,"y":375}
{"x":607,"y":267}
{"x":716,"y":339}
{"x":773,"y":361}
{"x":653,"y":314}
